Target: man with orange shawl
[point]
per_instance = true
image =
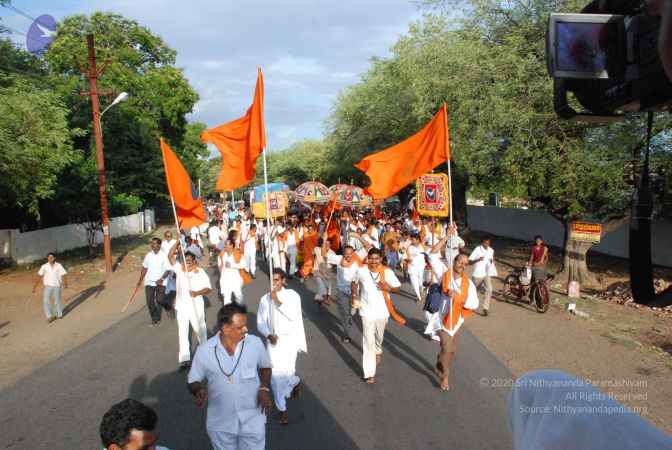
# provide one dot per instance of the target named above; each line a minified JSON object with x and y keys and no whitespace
{"x":459,"y":299}
{"x":377,"y":282}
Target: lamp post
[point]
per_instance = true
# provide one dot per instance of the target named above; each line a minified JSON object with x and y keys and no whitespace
{"x":92,"y":73}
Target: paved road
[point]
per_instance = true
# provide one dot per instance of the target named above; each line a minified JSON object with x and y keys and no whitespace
{"x":60,"y":405}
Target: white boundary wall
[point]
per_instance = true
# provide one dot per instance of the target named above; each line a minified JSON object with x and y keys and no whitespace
{"x":524,"y":224}
{"x":34,"y":245}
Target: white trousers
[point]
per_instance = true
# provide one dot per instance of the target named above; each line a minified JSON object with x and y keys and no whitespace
{"x":185,"y":316}
{"x":428,"y":318}
{"x":283,"y":379}
{"x":291,"y":254}
{"x":323,"y":288}
{"x":230,"y":289}
{"x":245,"y":439}
{"x":373,"y":333}
{"x":251,"y":260}
{"x":416,"y":284}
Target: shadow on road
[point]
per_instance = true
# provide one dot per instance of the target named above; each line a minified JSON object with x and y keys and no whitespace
{"x":83,"y":296}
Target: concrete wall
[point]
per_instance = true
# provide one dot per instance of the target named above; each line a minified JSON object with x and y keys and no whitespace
{"x":523,"y":224}
{"x":34,"y":245}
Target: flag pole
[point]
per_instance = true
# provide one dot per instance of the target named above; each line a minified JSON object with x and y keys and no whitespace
{"x":268,"y":223}
{"x":184,"y":259}
{"x":450,"y":206}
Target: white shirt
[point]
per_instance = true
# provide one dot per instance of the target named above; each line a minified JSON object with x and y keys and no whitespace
{"x":167,"y":245}
{"x":249,"y":243}
{"x":156,"y":265}
{"x":213,"y":235}
{"x":52,"y":275}
{"x":197,"y":279}
{"x":344,"y":275}
{"x":485,"y":267}
{"x":372,"y":301}
{"x":291,"y":241}
{"x":284,"y":321}
{"x":231,"y":403}
{"x":417,"y":264}
{"x":231,"y":274}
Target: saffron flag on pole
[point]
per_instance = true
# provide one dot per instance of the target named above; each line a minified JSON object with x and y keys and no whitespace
{"x":392,"y":169}
{"x":187,"y":202}
{"x":240,"y":142}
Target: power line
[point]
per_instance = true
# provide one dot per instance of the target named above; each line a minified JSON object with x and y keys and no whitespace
{"x":24,"y":14}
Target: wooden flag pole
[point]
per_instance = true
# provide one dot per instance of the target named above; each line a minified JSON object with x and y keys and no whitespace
{"x":450,"y":208}
{"x":184,"y":259}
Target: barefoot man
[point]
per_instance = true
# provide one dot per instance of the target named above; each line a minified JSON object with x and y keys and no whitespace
{"x":377,"y":282}
{"x":280,"y":320}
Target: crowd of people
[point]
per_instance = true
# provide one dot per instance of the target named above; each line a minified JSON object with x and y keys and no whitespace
{"x":357,"y":259}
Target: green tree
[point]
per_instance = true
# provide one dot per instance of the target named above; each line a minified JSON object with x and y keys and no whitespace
{"x":143,"y":65}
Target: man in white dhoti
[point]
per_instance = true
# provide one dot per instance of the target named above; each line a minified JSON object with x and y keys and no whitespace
{"x":279,"y":319}
{"x":249,"y":246}
{"x":292,"y":241}
{"x":192,"y":283}
{"x":416,"y":266}
{"x":231,"y":263}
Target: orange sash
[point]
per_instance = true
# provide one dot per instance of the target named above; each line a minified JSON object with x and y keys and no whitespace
{"x":355,"y":259}
{"x":458,"y":300}
{"x":386,"y":295}
{"x":192,"y":268}
{"x":237,"y":257}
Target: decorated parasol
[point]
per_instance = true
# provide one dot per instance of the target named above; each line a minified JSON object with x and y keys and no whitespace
{"x":337,"y":187}
{"x":352,"y":196}
{"x":313,"y":192}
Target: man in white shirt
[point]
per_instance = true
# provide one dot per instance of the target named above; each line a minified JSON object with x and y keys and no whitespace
{"x":52,"y":274}
{"x":483,"y":260}
{"x":377,"y":282}
{"x":155,"y":270}
{"x":238,"y":370}
{"x":248,"y":244}
{"x":279,"y":319}
{"x":415,"y":255}
{"x":346,"y":268}
{"x":292,"y":242}
{"x":230,"y":263}
{"x":214,"y":233}
{"x":192,"y":283}
{"x":459,"y":299}
{"x":167,"y":242}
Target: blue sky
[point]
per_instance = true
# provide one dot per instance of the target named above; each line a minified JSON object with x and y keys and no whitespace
{"x":309,"y":50}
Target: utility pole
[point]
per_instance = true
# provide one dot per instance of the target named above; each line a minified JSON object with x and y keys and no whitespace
{"x":92,"y":73}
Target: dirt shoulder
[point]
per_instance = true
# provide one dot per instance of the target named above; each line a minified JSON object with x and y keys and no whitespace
{"x":622,"y":350}
{"x":91,"y":304}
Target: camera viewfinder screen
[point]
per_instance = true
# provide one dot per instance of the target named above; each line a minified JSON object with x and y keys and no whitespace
{"x":585,"y":47}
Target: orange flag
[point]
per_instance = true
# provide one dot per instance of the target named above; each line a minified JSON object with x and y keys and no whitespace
{"x":240,"y":142}
{"x":392,"y":169}
{"x":187,"y":202}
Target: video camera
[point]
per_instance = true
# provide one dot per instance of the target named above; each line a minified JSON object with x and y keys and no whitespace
{"x":607,"y":56}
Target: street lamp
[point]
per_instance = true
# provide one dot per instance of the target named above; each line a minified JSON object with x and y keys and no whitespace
{"x":120,"y":98}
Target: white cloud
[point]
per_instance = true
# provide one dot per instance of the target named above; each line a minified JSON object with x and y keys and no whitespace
{"x":309,"y":50}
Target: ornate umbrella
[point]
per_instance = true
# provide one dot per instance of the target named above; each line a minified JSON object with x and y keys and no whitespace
{"x":313,"y":192}
{"x":352,"y":196}
{"x":337,"y":187}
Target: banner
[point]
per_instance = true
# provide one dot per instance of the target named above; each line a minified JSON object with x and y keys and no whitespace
{"x":432,"y":195}
{"x":587,"y":232}
{"x":276,"y":205}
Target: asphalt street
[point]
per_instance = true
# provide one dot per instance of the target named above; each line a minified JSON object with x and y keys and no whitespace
{"x":60,"y":405}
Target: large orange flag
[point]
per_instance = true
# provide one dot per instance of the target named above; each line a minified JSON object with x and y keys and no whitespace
{"x":392,"y":169}
{"x":187,"y":202}
{"x":240,"y":142}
